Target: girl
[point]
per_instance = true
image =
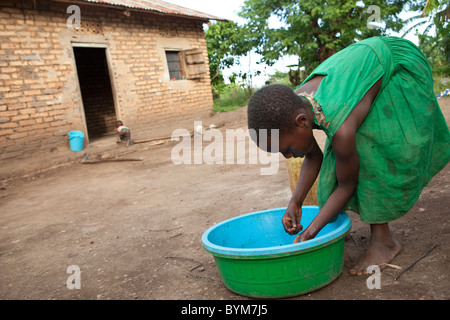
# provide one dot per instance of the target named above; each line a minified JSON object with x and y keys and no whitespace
{"x":386,"y":137}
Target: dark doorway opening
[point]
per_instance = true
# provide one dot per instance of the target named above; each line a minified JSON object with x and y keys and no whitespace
{"x":96,"y":91}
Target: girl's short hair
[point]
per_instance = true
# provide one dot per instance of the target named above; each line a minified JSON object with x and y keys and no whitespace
{"x":274,"y":107}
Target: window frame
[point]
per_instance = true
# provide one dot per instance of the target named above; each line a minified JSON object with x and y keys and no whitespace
{"x":169,"y":54}
{"x":191,"y":62}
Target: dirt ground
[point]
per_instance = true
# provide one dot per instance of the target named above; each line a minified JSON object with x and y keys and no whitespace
{"x":134,"y":228}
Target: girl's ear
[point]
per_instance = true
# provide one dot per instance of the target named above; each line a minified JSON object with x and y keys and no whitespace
{"x":301,"y":120}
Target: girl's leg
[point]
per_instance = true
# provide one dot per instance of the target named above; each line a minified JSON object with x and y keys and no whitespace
{"x":382,"y":249}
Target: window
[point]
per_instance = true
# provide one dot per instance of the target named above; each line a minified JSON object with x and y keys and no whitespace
{"x":185,"y":64}
{"x":173,"y":64}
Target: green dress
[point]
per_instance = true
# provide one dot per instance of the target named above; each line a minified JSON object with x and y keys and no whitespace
{"x":404,"y":140}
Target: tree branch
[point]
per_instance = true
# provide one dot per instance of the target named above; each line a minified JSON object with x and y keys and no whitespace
{"x":217,"y":71}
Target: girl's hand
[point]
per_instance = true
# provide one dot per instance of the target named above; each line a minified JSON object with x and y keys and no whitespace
{"x":291,"y":219}
{"x":305,"y":235}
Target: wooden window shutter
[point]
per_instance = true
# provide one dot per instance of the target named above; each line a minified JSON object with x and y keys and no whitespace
{"x":192,"y":64}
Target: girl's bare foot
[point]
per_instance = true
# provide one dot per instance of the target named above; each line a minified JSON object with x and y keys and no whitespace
{"x":382,"y":249}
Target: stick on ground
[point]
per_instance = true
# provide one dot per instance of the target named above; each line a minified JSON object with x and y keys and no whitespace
{"x":151,"y":140}
{"x":87,"y":159}
{"x":111,"y":160}
{"x":412,"y":264}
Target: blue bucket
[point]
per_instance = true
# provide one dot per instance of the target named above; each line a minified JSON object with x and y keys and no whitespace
{"x":76,"y":139}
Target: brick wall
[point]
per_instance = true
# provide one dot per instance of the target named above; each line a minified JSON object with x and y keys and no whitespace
{"x":40,"y":97}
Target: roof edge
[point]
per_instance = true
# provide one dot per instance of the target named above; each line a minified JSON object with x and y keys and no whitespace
{"x":156,"y":7}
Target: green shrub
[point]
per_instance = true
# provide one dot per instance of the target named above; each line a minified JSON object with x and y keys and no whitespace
{"x":229,"y":97}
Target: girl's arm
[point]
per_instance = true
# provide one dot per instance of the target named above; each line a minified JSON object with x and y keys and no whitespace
{"x":308,"y":174}
{"x":347,"y":169}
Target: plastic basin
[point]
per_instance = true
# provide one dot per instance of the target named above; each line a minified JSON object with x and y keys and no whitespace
{"x":257,"y":258}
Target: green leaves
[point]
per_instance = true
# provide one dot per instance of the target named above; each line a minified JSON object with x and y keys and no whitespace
{"x":222,"y":42}
{"x":312,"y":29}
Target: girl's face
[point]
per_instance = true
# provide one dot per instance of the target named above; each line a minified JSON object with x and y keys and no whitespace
{"x":298,"y":141}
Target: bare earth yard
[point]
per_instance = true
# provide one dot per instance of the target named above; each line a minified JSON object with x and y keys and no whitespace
{"x":134,"y":228}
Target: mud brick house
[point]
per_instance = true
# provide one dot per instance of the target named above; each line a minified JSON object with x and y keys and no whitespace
{"x":81,"y":65}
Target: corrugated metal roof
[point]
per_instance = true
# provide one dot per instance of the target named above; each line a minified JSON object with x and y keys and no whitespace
{"x":158,"y":6}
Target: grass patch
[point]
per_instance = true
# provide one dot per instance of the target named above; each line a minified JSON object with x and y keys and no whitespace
{"x":230,"y":98}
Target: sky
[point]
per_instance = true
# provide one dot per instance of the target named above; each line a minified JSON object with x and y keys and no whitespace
{"x":229,"y":10}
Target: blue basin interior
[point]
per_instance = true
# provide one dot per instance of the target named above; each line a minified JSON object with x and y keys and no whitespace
{"x":262,"y":233}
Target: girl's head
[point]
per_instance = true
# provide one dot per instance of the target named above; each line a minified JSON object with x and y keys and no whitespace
{"x":278,"y":107}
{"x":119,"y":123}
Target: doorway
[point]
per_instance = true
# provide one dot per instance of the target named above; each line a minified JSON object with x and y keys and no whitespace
{"x":96,"y":90}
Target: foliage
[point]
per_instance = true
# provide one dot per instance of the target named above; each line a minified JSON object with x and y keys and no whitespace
{"x":279,"y":78}
{"x":436,"y":49}
{"x":313,"y":30}
{"x":223,"y":45}
{"x":435,"y":46}
{"x":229,"y":97}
